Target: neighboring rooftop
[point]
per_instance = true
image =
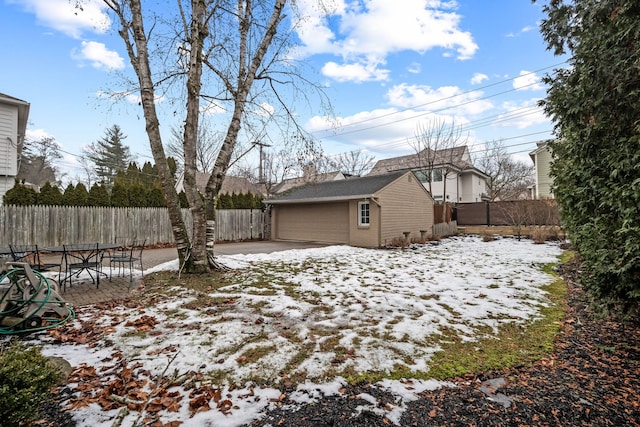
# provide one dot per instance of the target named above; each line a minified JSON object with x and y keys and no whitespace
{"x":343,"y":189}
{"x":458,"y":157}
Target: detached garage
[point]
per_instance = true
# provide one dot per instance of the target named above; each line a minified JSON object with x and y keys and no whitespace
{"x":370,"y":211}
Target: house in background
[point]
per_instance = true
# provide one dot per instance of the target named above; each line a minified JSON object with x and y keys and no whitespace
{"x":465,"y":184}
{"x":541,"y":158}
{"x":14,"y":114}
{"x":371,"y":211}
{"x":230,"y":184}
{"x":310,"y":175}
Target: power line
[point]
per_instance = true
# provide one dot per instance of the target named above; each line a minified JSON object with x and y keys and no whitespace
{"x":437,"y":101}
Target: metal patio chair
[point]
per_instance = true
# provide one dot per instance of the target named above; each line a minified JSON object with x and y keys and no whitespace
{"x":31,"y":255}
{"x":127,"y":255}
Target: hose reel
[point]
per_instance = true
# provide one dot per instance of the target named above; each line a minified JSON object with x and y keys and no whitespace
{"x":29,"y":301}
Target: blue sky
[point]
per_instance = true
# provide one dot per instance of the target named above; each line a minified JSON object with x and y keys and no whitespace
{"x":387,"y":66}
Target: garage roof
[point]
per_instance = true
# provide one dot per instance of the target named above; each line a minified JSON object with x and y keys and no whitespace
{"x":345,"y":189}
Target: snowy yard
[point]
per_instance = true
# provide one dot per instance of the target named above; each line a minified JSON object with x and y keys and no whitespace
{"x":310,"y":317}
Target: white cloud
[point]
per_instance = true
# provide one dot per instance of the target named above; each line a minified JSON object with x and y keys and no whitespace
{"x":37,"y":134}
{"x":527,"y":81}
{"x":382,"y":129}
{"x":211,"y":108}
{"x":521,"y":115}
{"x":415,"y":68}
{"x":62,"y":15}
{"x":358,"y":73}
{"x":99,"y":56}
{"x":129,"y":97}
{"x":365,"y":33}
{"x":478,"y":78}
{"x":450,"y":98}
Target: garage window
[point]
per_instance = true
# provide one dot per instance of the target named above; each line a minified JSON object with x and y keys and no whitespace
{"x":363,"y":214}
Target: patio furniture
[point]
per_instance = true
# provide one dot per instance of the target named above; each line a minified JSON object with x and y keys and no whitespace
{"x":82,"y":257}
{"x":30,"y":254}
{"x":129,"y":254}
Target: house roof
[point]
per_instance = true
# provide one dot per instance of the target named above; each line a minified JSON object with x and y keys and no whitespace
{"x":540,"y":146}
{"x":290,"y":183}
{"x":231,"y":184}
{"x":458,"y":157}
{"x":23,"y":116}
{"x":344,"y":189}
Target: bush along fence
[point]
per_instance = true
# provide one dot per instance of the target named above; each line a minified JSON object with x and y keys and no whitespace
{"x":57,"y":225}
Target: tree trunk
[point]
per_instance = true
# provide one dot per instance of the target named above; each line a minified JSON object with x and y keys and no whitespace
{"x":139,"y":57}
{"x":198,"y":33}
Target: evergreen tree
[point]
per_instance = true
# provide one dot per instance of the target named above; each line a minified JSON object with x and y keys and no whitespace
{"x":109,"y":154}
{"x":137,"y":196}
{"x":119,"y":195}
{"x":49,"y":195}
{"x":155,"y":198}
{"x":184,"y":203}
{"x":595,"y":103}
{"x":99,"y":195}
{"x":81,"y":195}
{"x":68,"y":197}
{"x":20,"y":195}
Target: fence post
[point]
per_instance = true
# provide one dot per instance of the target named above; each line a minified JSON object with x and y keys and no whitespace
{"x":488,"y":213}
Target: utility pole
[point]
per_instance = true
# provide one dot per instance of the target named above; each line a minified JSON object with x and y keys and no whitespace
{"x":261,"y":145}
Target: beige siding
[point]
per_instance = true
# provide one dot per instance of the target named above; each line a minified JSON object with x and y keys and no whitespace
{"x":406,"y":206}
{"x":322,"y":222}
{"x":367,"y":237}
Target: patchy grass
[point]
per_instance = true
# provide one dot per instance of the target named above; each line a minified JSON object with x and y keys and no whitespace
{"x":514,"y":344}
{"x":315,"y":318}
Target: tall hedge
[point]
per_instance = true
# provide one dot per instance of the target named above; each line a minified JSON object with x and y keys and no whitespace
{"x":595,"y":103}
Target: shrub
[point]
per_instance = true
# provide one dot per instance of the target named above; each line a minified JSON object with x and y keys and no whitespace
{"x":487,"y":236}
{"x":26,"y":379}
{"x":539,"y":234}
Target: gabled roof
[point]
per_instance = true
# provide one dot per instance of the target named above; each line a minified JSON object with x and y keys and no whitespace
{"x":23,"y":116}
{"x":290,"y":183}
{"x":540,"y":146}
{"x":458,"y":157}
{"x":344,"y":189}
{"x":231,"y":184}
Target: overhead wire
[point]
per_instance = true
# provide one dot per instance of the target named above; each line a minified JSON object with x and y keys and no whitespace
{"x":500,"y":118}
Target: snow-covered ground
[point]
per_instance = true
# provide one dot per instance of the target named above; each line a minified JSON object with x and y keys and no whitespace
{"x":311,"y":315}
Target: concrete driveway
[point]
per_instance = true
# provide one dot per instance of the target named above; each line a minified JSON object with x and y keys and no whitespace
{"x":153,"y":257}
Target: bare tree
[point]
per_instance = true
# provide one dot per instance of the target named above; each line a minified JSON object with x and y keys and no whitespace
{"x":355,"y":162}
{"x":232,"y":53}
{"x":36,"y":163}
{"x":207,"y":147}
{"x":509,"y":178}
{"x":435,"y":144}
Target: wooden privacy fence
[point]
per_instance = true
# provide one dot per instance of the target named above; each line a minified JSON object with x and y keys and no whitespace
{"x":57,"y":225}
{"x":519,"y":212}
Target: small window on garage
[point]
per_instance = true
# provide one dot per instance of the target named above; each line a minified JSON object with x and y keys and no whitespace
{"x":363,"y":214}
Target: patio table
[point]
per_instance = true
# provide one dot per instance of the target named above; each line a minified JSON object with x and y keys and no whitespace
{"x":79,"y":257}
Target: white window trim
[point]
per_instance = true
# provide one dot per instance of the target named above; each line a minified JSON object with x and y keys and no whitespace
{"x":360,"y":216}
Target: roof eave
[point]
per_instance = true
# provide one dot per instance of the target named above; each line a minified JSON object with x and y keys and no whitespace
{"x":319,"y":199}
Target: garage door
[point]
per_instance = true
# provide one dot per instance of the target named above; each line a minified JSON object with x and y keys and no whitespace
{"x":327,"y":222}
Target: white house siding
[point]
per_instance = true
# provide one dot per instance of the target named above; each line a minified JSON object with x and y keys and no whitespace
{"x":542,"y":160}
{"x":8,"y":148}
{"x":472,"y":187}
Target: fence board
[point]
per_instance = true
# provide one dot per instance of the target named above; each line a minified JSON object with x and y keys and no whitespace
{"x":521,"y":212}
{"x":57,"y":225}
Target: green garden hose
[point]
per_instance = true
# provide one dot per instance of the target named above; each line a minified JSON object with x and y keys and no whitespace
{"x":30,"y":302}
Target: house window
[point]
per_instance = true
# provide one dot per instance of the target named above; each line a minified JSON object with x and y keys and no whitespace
{"x":363,"y":214}
{"x":436,"y":175}
{"x":422,"y":175}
